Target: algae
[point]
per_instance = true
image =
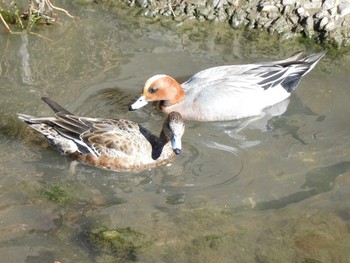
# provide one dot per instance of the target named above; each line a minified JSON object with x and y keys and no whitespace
{"x":211,"y":241}
{"x":122,"y":242}
{"x":55,"y":194}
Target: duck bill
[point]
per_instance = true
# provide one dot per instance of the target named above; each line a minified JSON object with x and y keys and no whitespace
{"x":138,"y":104}
{"x":176,"y":144}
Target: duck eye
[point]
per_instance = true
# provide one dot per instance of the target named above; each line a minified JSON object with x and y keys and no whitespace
{"x":153,"y":90}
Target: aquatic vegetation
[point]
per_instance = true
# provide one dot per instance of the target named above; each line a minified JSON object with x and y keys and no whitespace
{"x":123,"y":242}
{"x":55,"y":194}
{"x":38,"y":12}
{"x":211,"y":241}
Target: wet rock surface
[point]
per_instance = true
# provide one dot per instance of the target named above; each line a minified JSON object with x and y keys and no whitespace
{"x":325,"y":21}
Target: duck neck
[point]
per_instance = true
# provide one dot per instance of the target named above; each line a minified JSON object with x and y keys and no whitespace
{"x":164,"y":137}
{"x":157,"y":143}
{"x":176,"y":95}
{"x":157,"y":147}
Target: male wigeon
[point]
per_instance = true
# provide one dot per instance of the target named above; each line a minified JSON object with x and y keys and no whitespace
{"x":228,"y":92}
{"x":115,"y":144}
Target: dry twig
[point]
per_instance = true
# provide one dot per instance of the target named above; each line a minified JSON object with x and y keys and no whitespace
{"x":6,"y":25}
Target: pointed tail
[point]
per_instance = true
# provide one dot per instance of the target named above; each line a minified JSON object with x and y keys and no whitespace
{"x":55,"y":106}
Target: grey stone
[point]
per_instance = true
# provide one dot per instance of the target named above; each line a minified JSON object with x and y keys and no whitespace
{"x":310,"y":24}
{"x":328,"y":4}
{"x":221,"y":15}
{"x":288,"y":2}
{"x":346,"y":24}
{"x":269,"y":8}
{"x":344,"y":9}
{"x":294,"y":20}
{"x":189,"y":10}
{"x":312,"y":5}
{"x":287,"y":10}
{"x":337,"y":38}
{"x":330,"y":26}
{"x":238,"y":18}
{"x":321,"y":14}
{"x":333,"y":11}
{"x":301,"y":11}
{"x":324,"y":22}
{"x":141,"y":3}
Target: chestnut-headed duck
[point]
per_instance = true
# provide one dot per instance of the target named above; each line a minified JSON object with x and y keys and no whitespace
{"x":228,"y":92}
{"x":115,"y":144}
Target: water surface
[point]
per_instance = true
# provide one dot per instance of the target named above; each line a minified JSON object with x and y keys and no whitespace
{"x":268,"y":189}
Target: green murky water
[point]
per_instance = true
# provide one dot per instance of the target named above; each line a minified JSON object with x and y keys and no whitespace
{"x":274,"y":189}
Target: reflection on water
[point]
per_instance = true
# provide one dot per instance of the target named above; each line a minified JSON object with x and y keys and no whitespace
{"x":239,"y":189}
{"x":24,"y":54}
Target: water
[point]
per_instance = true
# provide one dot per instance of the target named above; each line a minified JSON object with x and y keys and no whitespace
{"x":272,"y":189}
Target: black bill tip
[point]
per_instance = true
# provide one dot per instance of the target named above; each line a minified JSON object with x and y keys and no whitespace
{"x":177,"y":151}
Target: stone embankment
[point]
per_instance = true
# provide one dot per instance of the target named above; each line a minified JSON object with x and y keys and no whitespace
{"x":325,"y":21}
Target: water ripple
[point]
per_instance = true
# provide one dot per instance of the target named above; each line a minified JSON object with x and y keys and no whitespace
{"x":199,"y":171}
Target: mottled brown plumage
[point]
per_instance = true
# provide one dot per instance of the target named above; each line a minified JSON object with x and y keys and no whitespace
{"x":115,"y":144}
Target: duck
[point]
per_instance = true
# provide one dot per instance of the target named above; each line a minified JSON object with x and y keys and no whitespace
{"x":228,"y":92}
{"x":114,"y":144}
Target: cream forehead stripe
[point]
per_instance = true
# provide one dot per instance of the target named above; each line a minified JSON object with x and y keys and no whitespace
{"x":153,"y":79}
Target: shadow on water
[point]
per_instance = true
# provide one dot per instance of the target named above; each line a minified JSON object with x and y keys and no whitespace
{"x":317,"y":181}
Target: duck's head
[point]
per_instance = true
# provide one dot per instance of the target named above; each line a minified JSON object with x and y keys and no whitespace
{"x":173,"y":129}
{"x":160,"y":88}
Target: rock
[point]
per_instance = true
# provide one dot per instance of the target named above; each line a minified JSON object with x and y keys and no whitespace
{"x":344,"y":9}
{"x":328,"y":4}
{"x":302,"y":12}
{"x":281,"y":26}
{"x":310,"y":24}
{"x":294,"y":20}
{"x":238,"y":18}
{"x":333,"y":11}
{"x":346,"y":24}
{"x":324,"y":22}
{"x":203,"y":10}
{"x":210,"y":16}
{"x":288,"y":2}
{"x":330,"y":26}
{"x":337,"y":38}
{"x":217,"y":3}
{"x":287,"y":10}
{"x":269,"y":8}
{"x":221,"y":15}
{"x":312,"y":5}
{"x":190,"y":10}
{"x":141,"y":3}
{"x":321,"y":14}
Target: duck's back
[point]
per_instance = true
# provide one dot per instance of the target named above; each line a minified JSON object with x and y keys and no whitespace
{"x":121,"y":145}
{"x":227,"y":92}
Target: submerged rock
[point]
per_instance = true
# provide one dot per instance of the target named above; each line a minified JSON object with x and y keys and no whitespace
{"x":124,"y":243}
